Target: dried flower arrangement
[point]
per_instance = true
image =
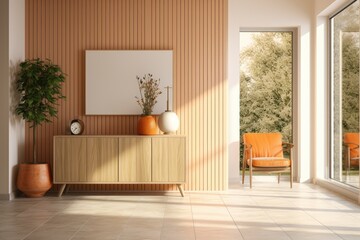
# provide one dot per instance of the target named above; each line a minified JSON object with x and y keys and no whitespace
{"x":149,"y":91}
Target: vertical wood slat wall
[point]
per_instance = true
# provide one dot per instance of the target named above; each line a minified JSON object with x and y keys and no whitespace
{"x":196,"y":31}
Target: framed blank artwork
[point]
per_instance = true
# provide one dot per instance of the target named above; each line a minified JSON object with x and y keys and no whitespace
{"x":111,"y":85}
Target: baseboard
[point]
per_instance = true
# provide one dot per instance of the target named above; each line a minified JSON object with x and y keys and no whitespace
{"x":304,"y":180}
{"x":235,"y":179}
{"x":340,"y":188}
{"x":8,"y":197}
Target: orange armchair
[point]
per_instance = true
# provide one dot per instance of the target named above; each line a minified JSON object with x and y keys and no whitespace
{"x":351,"y":141}
{"x":263,"y":152}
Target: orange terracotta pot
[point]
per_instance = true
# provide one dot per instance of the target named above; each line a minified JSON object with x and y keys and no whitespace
{"x":34,"y":180}
{"x":147,"y":126}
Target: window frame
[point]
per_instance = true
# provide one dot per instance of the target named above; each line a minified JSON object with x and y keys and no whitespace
{"x":295,"y":88}
{"x":329,"y":166}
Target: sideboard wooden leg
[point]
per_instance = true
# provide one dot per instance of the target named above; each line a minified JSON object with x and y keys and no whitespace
{"x":180,"y":189}
{"x":62,"y":188}
{"x":67,"y":188}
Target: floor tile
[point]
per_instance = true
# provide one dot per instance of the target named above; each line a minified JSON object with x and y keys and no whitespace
{"x":218,"y":234}
{"x":178,"y":233}
{"x":267,"y":211}
{"x":50,"y":234}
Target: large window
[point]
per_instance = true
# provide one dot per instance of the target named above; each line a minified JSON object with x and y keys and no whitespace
{"x":266,"y":79}
{"x":344,"y":162}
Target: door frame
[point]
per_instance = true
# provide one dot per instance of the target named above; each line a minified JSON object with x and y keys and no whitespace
{"x":295,"y":97}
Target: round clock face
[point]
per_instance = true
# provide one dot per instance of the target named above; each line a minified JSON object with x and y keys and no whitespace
{"x":76,"y":127}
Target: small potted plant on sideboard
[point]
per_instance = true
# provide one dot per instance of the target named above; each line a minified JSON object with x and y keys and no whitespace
{"x":39,"y":85}
{"x":149,"y":91}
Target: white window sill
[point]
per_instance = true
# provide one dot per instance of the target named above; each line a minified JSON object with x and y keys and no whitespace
{"x":343,"y":189}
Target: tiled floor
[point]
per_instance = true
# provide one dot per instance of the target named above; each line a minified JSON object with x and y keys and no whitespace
{"x":268,"y":211}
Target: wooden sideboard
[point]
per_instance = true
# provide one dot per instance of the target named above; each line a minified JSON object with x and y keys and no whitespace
{"x":119,"y":159}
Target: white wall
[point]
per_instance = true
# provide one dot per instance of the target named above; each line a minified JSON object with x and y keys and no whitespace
{"x":264,"y":14}
{"x":4,"y":98}
{"x":326,"y":7}
{"x":16,"y":54}
{"x":320,"y":114}
{"x":12,"y":45}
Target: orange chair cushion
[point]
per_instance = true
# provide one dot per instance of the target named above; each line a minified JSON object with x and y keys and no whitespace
{"x":354,"y":162}
{"x":269,"y":162}
{"x":265,"y":144}
{"x":352,"y":138}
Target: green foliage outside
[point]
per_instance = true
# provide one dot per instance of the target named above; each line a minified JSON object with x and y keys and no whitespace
{"x":350,"y":83}
{"x":266,"y":85}
{"x":346,"y":68}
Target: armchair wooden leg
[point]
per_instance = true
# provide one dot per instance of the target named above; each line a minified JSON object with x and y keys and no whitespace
{"x":251,"y":173}
{"x":291,"y":176}
{"x":243,"y":173}
{"x":348,"y":161}
{"x":279,"y":175}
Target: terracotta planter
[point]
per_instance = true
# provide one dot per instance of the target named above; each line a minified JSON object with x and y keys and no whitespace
{"x":147,"y":126}
{"x":34,"y":179}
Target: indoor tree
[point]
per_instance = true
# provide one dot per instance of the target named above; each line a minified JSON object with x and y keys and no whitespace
{"x":39,"y":84}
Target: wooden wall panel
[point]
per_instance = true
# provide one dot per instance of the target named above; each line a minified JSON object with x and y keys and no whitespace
{"x":196,"y":31}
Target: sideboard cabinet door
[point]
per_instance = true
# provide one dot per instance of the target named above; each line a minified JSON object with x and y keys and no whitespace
{"x":102,"y":159}
{"x":70,"y":159}
{"x":168,"y":159}
{"x":135,"y":159}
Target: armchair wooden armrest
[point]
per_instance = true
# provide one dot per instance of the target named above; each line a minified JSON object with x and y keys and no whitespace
{"x":351,"y":143}
{"x":289,"y":145}
{"x":246,"y":146}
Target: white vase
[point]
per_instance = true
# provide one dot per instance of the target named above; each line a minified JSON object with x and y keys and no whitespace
{"x":168,"y":122}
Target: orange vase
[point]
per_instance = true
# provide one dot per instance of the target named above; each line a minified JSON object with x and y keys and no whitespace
{"x":34,"y":180}
{"x":147,"y":126}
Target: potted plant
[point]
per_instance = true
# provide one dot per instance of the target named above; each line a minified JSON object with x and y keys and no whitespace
{"x":149,"y":91}
{"x":39,"y":86}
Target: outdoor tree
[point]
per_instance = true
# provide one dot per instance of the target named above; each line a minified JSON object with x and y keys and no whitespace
{"x":266,"y":84}
{"x":350,"y":82}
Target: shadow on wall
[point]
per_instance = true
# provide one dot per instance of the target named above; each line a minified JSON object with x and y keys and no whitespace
{"x":17,"y":127}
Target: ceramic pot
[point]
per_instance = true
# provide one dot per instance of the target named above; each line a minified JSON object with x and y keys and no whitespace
{"x":34,"y":180}
{"x":147,"y":126}
{"x":168,"y":122}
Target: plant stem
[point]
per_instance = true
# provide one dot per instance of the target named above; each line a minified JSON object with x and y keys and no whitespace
{"x":140,"y":89}
{"x":167,"y":99}
{"x":34,"y":143}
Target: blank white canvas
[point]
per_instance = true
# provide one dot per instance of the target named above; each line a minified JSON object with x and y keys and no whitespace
{"x":111,"y":84}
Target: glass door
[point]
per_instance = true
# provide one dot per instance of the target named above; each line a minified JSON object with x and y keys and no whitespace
{"x":345,"y":45}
